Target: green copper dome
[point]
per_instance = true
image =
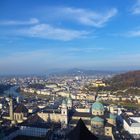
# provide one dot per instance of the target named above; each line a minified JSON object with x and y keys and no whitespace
{"x":113,"y":116}
{"x":97,"y":106}
{"x":97,"y":119}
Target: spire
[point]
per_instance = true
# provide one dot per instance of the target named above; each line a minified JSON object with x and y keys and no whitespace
{"x":97,"y":99}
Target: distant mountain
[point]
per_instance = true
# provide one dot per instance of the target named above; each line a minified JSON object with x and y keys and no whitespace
{"x":126,"y":80}
{"x":77,"y":72}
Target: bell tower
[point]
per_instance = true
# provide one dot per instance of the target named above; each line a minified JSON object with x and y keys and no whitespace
{"x":64,"y":114}
{"x":11,"y":109}
{"x":69,"y":102}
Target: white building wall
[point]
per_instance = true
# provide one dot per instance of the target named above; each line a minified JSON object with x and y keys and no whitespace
{"x":136,"y":119}
{"x":131,"y":129}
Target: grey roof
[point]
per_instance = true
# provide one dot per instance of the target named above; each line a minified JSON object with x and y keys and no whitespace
{"x":57,"y":111}
{"x":135,"y":124}
{"x":36,"y":121}
{"x":130,"y":121}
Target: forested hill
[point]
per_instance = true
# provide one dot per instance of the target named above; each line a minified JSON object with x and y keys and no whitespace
{"x":125,"y":80}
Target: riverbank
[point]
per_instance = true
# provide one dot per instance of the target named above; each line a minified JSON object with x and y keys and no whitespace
{"x":30,"y":95}
{"x":3,"y":88}
{"x":13,"y":91}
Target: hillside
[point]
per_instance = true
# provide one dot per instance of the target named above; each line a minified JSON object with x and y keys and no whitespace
{"x":125,"y":80}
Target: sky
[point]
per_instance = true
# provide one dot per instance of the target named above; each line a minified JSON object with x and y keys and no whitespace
{"x":41,"y":35}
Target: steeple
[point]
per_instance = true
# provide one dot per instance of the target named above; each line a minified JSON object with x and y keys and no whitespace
{"x":64,"y":110}
{"x":69,"y":102}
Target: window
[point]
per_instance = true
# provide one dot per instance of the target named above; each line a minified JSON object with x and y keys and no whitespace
{"x":107,"y":129}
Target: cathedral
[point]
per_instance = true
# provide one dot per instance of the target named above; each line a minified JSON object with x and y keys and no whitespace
{"x":98,"y":119}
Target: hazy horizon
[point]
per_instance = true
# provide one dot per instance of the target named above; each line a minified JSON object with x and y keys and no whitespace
{"x":63,"y":71}
{"x":37,"y":36}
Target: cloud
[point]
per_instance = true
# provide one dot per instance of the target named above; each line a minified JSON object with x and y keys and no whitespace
{"x":85,"y":49}
{"x":47,"y":31}
{"x":86,"y":17}
{"x":134,"y":33}
{"x":130,"y":33}
{"x":136,"y":8}
{"x":31,"y":21}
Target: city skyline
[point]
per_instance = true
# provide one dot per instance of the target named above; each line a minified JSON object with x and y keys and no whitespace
{"x":36,"y":36}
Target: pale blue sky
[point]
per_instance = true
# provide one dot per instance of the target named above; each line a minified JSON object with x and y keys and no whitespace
{"x":39,"y":35}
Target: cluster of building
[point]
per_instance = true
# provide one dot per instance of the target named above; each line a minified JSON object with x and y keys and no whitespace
{"x":131,"y":123}
{"x":57,"y":116}
{"x":101,"y":120}
{"x":118,"y":98}
{"x":65,"y":87}
{"x":75,"y":87}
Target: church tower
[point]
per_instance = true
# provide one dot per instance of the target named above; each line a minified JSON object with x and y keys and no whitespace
{"x":11,"y":109}
{"x":69,"y":102}
{"x":64,"y":114}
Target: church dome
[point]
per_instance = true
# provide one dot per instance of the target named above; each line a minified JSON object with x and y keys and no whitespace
{"x":97,"y":106}
{"x":97,"y":119}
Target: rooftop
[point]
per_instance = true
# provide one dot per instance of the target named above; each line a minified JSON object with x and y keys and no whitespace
{"x":21,"y":109}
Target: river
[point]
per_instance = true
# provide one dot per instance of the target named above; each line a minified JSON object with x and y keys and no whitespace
{"x":13,"y":92}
